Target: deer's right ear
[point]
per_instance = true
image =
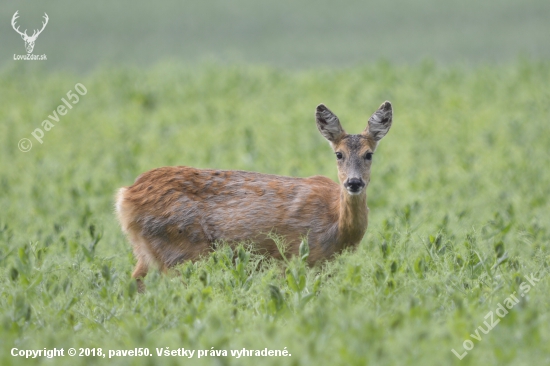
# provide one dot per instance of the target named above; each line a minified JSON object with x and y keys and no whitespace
{"x":328,"y":124}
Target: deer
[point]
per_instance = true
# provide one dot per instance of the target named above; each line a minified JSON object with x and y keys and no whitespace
{"x":175,"y":214}
{"x":29,"y":40}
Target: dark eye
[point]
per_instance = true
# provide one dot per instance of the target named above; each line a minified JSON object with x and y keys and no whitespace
{"x":339,"y":155}
{"x":368,"y":156}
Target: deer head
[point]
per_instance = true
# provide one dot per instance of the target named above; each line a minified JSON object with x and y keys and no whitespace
{"x":354,"y":152}
{"x":29,"y":40}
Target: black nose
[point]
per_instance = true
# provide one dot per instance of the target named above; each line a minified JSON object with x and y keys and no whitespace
{"x":355,"y":184}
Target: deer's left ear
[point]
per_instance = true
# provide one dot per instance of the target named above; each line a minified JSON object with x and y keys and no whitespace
{"x":379,"y":122}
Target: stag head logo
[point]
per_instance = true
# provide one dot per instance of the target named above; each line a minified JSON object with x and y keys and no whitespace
{"x":29,"y":40}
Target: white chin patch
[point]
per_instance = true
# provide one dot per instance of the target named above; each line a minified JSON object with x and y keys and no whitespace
{"x":351,"y":193}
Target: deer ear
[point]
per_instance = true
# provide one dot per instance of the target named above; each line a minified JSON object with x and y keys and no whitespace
{"x":379,"y":122}
{"x":328,"y":124}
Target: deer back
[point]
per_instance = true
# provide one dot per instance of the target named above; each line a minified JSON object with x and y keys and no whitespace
{"x":195,"y":208}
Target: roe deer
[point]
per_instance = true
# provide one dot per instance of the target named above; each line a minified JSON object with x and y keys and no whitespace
{"x":172,"y":214}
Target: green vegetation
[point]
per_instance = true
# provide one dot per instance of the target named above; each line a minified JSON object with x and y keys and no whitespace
{"x":283,"y":33}
{"x":458,"y":215}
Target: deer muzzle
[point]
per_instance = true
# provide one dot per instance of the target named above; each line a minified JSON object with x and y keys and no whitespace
{"x":354,"y":185}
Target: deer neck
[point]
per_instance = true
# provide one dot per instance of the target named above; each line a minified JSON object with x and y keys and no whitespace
{"x":353,"y":219}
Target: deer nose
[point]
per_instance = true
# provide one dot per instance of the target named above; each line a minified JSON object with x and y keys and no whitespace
{"x":354,"y":185}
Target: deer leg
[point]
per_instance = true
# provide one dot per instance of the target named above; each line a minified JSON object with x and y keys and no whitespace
{"x":139,"y":272}
{"x":144,"y":257}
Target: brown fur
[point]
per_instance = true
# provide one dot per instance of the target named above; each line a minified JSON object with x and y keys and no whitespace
{"x":173,"y":214}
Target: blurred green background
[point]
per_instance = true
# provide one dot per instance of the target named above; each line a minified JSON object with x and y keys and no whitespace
{"x":297,"y":34}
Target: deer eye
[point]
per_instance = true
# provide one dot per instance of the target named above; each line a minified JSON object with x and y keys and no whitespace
{"x":368,"y":156}
{"x":339,"y":156}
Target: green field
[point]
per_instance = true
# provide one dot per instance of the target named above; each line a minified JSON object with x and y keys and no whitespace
{"x":290,"y":34}
{"x":458,"y":215}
